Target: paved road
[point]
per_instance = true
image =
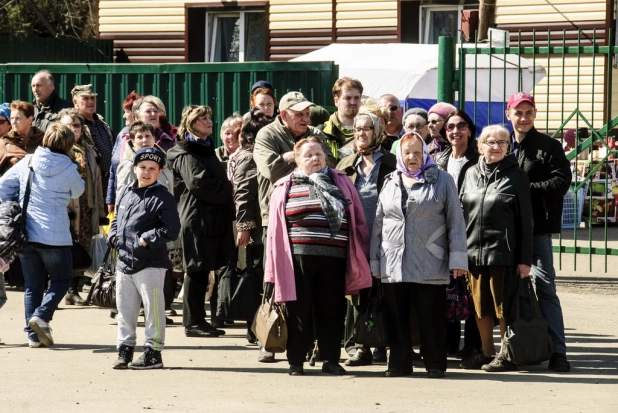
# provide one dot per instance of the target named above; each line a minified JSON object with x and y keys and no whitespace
{"x":222,"y":374}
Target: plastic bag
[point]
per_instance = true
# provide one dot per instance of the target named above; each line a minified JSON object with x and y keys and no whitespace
{"x":105,"y":228}
{"x":98,"y":246}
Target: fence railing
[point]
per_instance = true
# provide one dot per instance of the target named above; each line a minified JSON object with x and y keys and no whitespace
{"x":26,"y":49}
{"x":572,"y":91}
{"x":225,"y":87}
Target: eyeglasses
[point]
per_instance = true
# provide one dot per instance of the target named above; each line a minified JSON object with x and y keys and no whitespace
{"x":3,"y":121}
{"x":393,"y":108}
{"x":364,"y":129}
{"x":76,"y":125}
{"x":500,"y":144}
{"x":460,"y":126}
{"x":416,"y":126}
{"x":435,"y":122}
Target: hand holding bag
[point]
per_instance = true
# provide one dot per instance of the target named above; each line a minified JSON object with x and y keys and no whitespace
{"x":457,"y":300}
{"x":371,"y":328}
{"x":269,"y":325}
{"x":239,"y":290}
{"x":103,"y":290}
{"x":527,"y":341}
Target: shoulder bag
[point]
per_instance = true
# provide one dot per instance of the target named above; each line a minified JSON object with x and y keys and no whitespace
{"x":527,"y":341}
{"x":239,"y":290}
{"x":269,"y":325}
{"x":103,"y":289}
{"x":13,"y":235}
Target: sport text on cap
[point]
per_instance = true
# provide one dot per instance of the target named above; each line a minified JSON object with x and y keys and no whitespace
{"x":517,"y":98}
{"x":149,"y":154}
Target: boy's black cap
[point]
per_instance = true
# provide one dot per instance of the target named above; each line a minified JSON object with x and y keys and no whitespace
{"x":262,"y":83}
{"x":150,"y":154}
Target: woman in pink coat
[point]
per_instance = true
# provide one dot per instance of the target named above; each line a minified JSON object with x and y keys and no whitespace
{"x":317,"y":253}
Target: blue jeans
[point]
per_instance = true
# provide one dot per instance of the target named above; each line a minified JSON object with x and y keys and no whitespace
{"x":36,"y":264}
{"x":544,"y":278}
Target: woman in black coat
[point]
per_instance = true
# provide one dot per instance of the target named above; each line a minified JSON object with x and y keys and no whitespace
{"x":204,"y":196}
{"x":495,"y":196}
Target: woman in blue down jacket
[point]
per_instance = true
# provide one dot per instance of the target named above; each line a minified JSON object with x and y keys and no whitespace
{"x":55,"y":181}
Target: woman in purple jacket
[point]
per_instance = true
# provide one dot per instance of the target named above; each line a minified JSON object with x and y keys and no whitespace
{"x":316,"y":253}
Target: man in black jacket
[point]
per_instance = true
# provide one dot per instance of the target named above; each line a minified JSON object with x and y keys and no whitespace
{"x":543,"y":159}
{"x":46,"y":103}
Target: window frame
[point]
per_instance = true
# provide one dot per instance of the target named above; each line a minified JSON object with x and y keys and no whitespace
{"x":210,"y":38}
{"x":423,"y":30}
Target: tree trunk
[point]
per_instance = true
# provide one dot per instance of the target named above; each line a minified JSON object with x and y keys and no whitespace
{"x":41,"y":17}
{"x":487,"y":17}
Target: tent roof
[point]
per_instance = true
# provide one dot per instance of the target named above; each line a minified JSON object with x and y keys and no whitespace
{"x":397,"y":68}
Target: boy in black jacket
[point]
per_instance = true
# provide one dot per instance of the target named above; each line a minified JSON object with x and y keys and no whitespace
{"x":146,"y":219}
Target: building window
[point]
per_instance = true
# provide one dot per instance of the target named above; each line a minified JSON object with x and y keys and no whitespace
{"x":439,"y":21}
{"x":235,"y":36}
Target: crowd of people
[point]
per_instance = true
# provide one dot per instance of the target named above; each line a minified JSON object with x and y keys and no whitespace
{"x":326,"y":206}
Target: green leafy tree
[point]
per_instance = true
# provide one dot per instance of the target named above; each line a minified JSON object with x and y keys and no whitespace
{"x":72,"y":18}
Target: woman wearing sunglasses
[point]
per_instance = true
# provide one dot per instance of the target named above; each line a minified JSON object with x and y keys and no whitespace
{"x":460,"y":155}
{"x":495,"y":196}
{"x":5,"y":119}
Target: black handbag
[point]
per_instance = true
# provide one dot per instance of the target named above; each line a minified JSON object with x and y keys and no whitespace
{"x":371,"y":328}
{"x":527,"y":341}
{"x":457,"y":300}
{"x":13,"y":235}
{"x":81,"y":258}
{"x":103,"y":289}
{"x":239,"y":290}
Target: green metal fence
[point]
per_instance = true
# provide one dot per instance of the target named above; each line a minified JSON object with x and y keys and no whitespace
{"x":26,"y":49}
{"x":223,"y":86}
{"x":575,"y":93}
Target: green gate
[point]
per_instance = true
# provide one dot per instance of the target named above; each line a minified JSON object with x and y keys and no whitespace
{"x":223,"y":86}
{"x":575,"y":92}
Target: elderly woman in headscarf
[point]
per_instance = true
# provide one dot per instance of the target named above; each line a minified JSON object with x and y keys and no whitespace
{"x":419,"y":236}
{"x":316,"y":253}
{"x":367,"y":169}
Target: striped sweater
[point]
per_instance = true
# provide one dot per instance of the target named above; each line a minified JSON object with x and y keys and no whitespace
{"x":307,"y":225}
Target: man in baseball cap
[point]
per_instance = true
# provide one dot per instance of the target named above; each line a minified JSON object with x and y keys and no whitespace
{"x":549,"y":172}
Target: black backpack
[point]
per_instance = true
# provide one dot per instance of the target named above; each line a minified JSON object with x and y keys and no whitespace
{"x":13,"y":236}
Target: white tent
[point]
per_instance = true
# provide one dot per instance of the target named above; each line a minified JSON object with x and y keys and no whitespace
{"x":410,"y":71}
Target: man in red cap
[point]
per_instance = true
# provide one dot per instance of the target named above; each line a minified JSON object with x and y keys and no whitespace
{"x":543,"y":159}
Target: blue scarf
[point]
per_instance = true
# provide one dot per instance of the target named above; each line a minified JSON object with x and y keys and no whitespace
{"x":191,"y":138}
{"x":427,"y":161}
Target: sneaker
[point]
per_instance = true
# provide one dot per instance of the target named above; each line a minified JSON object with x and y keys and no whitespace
{"x":34,"y":344}
{"x":42,"y":329}
{"x":499,"y":364}
{"x":150,"y":359}
{"x":435,"y":373}
{"x":125,"y":357}
{"x":171,"y":312}
{"x":168,"y":321}
{"x":334,"y":368}
{"x":361,"y":358}
{"x":558,"y":363}
{"x":475,"y":362}
{"x":266,"y":356}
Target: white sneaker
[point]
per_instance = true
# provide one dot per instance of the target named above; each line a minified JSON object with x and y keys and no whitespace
{"x":34,"y":344}
{"x":42,"y":329}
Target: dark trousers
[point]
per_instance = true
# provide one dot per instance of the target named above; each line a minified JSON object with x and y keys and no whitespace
{"x":429,"y":301}
{"x":169,"y":289}
{"x":472,"y":336}
{"x":255,"y":255}
{"x":320,"y":293}
{"x":195,"y":286}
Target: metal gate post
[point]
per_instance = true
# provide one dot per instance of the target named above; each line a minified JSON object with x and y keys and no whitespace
{"x":446,"y":69}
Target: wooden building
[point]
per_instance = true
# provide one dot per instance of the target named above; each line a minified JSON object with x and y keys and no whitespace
{"x":164,"y":31}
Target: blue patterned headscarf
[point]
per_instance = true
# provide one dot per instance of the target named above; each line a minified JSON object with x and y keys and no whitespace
{"x":427,"y":161}
{"x":5,"y":111}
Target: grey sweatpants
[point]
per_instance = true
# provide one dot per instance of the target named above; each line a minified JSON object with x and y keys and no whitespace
{"x":144,"y":286}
